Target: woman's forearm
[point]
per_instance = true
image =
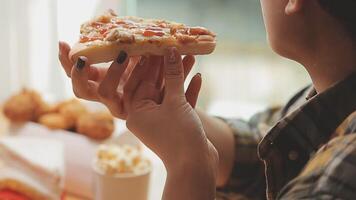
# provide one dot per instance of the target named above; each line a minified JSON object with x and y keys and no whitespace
{"x":220,"y":134}
{"x":192,"y":180}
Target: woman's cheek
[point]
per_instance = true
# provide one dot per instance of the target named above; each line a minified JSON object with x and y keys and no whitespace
{"x":276,"y":23}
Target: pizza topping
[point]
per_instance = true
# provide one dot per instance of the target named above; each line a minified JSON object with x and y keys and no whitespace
{"x":112,"y":35}
{"x":106,"y":18}
{"x":153,"y":28}
{"x":117,"y":21}
{"x":103,"y":31}
{"x":199,"y":31}
{"x":120,"y":35}
{"x":162,"y":24}
{"x":129,"y":26}
{"x":150,"y":33}
{"x":111,"y":26}
{"x":173,"y":31}
{"x":112,"y":12}
{"x":206,"y":38}
{"x":122,"y":21}
{"x":86,"y":28}
{"x":84,"y":39}
{"x":174,"y":28}
{"x":134,"y":29}
{"x":184,"y":39}
{"x":97,"y":24}
{"x":126,"y":38}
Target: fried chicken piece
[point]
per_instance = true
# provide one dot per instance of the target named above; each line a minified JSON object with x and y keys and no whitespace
{"x":99,"y":125}
{"x":56,"y":121}
{"x":28,"y":105}
{"x":72,"y":110}
{"x":63,"y":115}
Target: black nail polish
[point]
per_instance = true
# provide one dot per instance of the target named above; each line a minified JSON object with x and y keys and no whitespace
{"x":80,"y":63}
{"x":122,"y":57}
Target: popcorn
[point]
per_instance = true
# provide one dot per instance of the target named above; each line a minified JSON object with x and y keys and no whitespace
{"x":114,"y":159}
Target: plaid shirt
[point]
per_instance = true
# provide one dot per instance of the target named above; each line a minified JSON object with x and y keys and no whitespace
{"x":308,"y":150}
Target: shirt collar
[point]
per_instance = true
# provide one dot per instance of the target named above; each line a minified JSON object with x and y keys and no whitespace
{"x":313,"y":123}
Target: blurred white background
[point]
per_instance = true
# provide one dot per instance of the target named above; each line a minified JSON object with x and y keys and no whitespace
{"x":242,"y":76}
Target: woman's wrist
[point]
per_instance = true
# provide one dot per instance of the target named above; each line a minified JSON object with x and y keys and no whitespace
{"x":191,"y":154}
{"x":195,"y":176}
{"x":196,"y":158}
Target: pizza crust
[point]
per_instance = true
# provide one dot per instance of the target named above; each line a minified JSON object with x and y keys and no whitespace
{"x":107,"y":52}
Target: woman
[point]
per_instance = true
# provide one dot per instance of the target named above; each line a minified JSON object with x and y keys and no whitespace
{"x":310,"y":153}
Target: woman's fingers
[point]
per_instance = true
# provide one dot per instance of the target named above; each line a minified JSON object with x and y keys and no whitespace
{"x":153,"y":70}
{"x":193,"y":90}
{"x":188,"y":62}
{"x":109,"y":84}
{"x":149,"y":87}
{"x":135,"y":79}
{"x":63,"y":53}
{"x":95,"y":74}
{"x":173,"y":74}
{"x":160,"y":79}
{"x":82,"y":86}
{"x":131,"y":65}
{"x":107,"y":90}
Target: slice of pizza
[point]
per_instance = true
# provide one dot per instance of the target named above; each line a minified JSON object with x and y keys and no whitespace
{"x":105,"y":36}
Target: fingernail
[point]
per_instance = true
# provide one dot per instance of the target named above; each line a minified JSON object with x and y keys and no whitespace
{"x":172,"y":57}
{"x":142,"y":61}
{"x":122,"y":57}
{"x":199,"y":74}
{"x":80,"y":63}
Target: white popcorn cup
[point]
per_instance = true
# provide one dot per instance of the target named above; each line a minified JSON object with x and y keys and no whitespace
{"x":125,"y":186}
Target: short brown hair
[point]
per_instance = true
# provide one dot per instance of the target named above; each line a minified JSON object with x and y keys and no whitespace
{"x":344,"y":11}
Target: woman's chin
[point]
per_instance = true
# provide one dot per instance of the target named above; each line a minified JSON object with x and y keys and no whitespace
{"x":283,"y":48}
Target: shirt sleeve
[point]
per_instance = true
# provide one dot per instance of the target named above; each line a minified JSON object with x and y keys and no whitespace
{"x":330,"y":174}
{"x":247,"y":180}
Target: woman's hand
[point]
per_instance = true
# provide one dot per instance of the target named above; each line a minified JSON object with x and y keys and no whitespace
{"x":95,"y":84}
{"x":161,"y":123}
{"x":173,"y":130}
{"x":157,"y":110}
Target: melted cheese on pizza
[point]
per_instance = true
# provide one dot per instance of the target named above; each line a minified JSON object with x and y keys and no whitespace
{"x":128,"y":30}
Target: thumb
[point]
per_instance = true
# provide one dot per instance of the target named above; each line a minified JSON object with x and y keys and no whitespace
{"x":173,"y":73}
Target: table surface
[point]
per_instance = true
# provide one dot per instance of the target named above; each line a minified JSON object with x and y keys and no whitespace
{"x":157,"y":176}
{"x":4,"y":125}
